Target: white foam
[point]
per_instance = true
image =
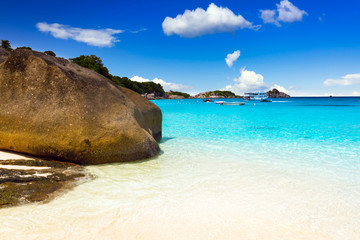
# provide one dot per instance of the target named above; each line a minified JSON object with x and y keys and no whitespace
{"x":19,"y":167}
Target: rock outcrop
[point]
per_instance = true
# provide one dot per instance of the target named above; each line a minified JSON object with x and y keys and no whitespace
{"x":176,"y":97}
{"x":34,"y":180}
{"x":276,"y":94}
{"x":216,"y":94}
{"x":153,"y":96}
{"x":53,"y":108}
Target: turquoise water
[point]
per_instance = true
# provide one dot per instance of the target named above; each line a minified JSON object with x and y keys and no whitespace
{"x":286,"y":170}
{"x":321,"y":133}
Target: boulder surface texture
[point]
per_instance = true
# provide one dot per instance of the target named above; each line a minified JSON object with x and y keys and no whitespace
{"x":52,"y":108}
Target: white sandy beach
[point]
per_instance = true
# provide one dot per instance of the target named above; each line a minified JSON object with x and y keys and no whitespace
{"x":7,"y":155}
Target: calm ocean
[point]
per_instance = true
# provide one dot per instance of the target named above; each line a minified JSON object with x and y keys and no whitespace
{"x":289,"y":169}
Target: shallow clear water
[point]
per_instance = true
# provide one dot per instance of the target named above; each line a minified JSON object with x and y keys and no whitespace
{"x":289,"y":169}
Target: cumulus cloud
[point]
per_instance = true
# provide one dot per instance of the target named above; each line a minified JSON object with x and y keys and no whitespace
{"x":198,"y":22}
{"x":347,"y":80}
{"x":248,"y":81}
{"x":166,"y":85}
{"x":232,"y":57}
{"x":93,"y":37}
{"x":285,"y":12}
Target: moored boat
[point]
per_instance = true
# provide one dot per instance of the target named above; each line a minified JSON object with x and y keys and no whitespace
{"x":256,"y":96}
{"x":231,"y":103}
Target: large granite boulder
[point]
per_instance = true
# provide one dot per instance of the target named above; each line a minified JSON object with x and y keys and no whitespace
{"x":53,"y":108}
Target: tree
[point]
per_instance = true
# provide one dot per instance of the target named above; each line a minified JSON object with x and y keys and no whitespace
{"x":95,"y":63}
{"x":139,"y":87}
{"x":50,"y":53}
{"x":92,"y":62}
{"x":6,"y":44}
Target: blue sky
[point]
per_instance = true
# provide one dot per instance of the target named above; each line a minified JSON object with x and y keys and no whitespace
{"x":303,"y":47}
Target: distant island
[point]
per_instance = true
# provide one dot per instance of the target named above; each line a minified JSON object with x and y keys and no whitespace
{"x":274,"y":93}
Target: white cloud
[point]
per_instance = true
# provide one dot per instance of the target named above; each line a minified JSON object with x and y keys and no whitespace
{"x":93,"y":37}
{"x":248,"y":81}
{"x":140,"y":30}
{"x":285,"y":12}
{"x":356,"y":93}
{"x":166,"y":85}
{"x":232,"y":57}
{"x":198,"y":22}
{"x":347,"y":80}
{"x":268,"y":16}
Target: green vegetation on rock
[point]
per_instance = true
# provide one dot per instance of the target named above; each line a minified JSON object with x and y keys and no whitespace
{"x":220,"y":93}
{"x":185,"y":95}
{"x":92,"y":62}
{"x":139,"y":87}
{"x":95,"y":63}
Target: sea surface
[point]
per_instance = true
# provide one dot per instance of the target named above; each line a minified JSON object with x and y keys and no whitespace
{"x":285,"y":170}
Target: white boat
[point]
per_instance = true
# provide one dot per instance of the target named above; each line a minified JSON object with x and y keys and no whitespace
{"x":256,"y":96}
{"x":230,"y":103}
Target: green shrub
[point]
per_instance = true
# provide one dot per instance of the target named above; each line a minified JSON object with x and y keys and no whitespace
{"x":92,"y":62}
